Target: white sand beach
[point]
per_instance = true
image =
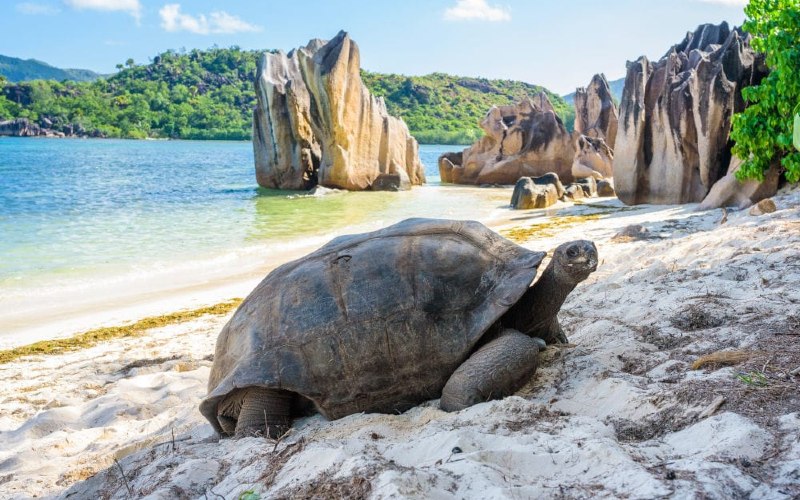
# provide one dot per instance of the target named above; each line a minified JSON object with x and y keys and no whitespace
{"x":621,"y":413}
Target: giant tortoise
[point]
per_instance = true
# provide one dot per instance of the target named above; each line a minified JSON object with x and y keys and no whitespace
{"x":382,"y":321}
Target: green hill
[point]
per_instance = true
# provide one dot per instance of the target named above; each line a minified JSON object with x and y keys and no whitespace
{"x":445,"y":109}
{"x":209,"y":94}
{"x":20,"y":70}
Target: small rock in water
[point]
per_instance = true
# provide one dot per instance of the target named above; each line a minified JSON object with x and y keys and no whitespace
{"x":765,"y":206}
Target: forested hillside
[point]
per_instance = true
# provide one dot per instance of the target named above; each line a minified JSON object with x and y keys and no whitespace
{"x":209,"y":94}
{"x":445,"y":109}
{"x":20,"y":70}
{"x":195,"y":95}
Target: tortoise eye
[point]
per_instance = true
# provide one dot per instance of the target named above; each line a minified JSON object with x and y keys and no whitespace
{"x":572,"y":252}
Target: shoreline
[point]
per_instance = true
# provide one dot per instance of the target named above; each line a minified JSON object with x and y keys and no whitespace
{"x":96,"y":336}
{"x":458,"y":146}
{"x":58,"y":311}
{"x":626,"y":390}
{"x":113,"y":306}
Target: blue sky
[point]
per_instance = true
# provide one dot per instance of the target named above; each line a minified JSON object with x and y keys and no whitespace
{"x":556,"y":43}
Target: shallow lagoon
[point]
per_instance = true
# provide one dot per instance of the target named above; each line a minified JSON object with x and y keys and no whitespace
{"x":88,"y":219}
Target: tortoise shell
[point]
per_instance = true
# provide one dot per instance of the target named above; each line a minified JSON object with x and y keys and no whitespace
{"x":373,"y":322}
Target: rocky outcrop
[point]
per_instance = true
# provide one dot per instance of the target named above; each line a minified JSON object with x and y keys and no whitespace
{"x":316,"y":123}
{"x":595,"y":130}
{"x":523,"y":140}
{"x":675,"y":116}
{"x":595,"y":112}
{"x":730,"y":192}
{"x":20,"y":127}
{"x":447,"y":162}
{"x":528,"y":194}
{"x":547,"y":189}
{"x":593,"y":158}
{"x":605,"y":189}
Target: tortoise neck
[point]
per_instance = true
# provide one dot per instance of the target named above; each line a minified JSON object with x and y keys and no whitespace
{"x":535,"y":312}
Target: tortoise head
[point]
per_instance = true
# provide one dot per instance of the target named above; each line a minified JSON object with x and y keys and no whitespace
{"x":575,"y":260}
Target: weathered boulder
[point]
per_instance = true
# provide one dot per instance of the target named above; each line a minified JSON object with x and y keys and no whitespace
{"x":765,"y":206}
{"x":589,"y":186}
{"x":316,"y":123}
{"x":391,"y":182}
{"x":19,"y":127}
{"x":595,"y":112}
{"x":730,"y":192}
{"x":593,"y":158}
{"x":550,"y":178}
{"x":574,"y":192}
{"x":522,"y":140}
{"x":605,"y":188}
{"x":527,"y":194}
{"x":675,"y":116}
{"x":447,"y":162}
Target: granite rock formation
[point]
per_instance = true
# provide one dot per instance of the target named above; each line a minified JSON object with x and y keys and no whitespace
{"x":528,"y":194}
{"x":316,"y":123}
{"x":447,"y":162}
{"x":730,"y":192}
{"x":593,"y":158}
{"x":595,"y":112}
{"x":589,"y":186}
{"x":605,"y":189}
{"x":675,"y":116}
{"x":19,"y":127}
{"x":550,"y":178}
{"x":574,"y":192}
{"x":22,"y":127}
{"x":522,"y":140}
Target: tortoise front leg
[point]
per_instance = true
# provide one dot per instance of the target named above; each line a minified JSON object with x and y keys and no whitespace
{"x":265,"y":412}
{"x":496,"y":370}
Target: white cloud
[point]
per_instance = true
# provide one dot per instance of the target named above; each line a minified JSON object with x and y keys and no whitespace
{"x":728,"y":3}
{"x":37,"y":9}
{"x":476,"y":10}
{"x":132,"y":7}
{"x":172,"y":19}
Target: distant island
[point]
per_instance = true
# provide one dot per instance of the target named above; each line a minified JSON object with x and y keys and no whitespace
{"x":209,"y":94}
{"x":20,"y":70}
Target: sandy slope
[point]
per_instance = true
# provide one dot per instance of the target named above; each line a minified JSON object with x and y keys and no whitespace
{"x":618,"y":415}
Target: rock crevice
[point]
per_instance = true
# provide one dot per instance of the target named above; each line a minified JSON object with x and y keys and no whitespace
{"x":675,"y":116}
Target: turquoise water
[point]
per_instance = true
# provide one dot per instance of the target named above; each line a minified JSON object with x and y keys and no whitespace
{"x":72,"y":209}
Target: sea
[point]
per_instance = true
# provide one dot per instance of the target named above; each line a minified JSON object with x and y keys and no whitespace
{"x":87,"y":220}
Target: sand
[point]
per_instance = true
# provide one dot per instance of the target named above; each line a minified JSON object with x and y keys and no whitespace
{"x":621,"y":413}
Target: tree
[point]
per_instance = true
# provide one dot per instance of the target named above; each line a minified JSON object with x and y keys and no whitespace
{"x":763,"y":131}
{"x":129,"y":63}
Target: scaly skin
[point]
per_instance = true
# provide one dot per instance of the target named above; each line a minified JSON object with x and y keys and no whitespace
{"x":503,"y":365}
{"x":535,"y":314}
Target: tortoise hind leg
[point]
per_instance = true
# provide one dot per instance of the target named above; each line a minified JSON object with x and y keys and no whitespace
{"x":497,"y":369}
{"x":265,"y":412}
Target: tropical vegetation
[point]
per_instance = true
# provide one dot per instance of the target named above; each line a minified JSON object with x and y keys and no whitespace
{"x":763,"y":131}
{"x":209,"y":94}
